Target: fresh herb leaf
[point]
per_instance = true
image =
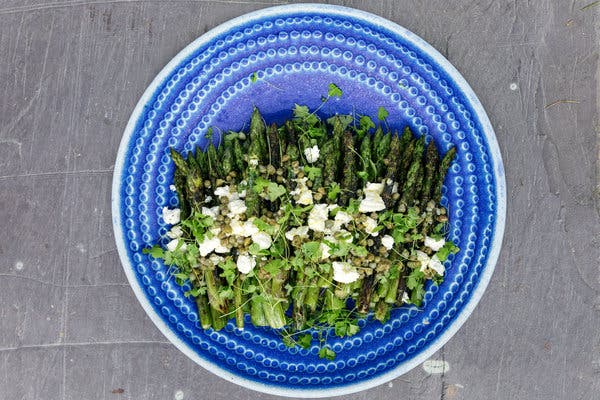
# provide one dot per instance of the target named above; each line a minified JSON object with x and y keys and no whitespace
{"x":382,"y":113}
{"x":334,"y":191}
{"x":312,"y":172}
{"x":155,"y":251}
{"x":304,"y":341}
{"x":327,"y":353}
{"x":446,"y":250}
{"x":275,"y":191}
{"x":334,"y":91}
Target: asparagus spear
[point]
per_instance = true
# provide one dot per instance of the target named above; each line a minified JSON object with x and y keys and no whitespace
{"x":219,"y":319}
{"x":274,"y":146}
{"x":179,"y":180}
{"x":382,"y":311}
{"x":431,"y":167}
{"x":212,"y":289}
{"x":238,"y":298}
{"x":366,"y":291}
{"x":412,"y":186}
{"x":406,"y":157}
{"x":258,"y":136}
{"x":238,"y":157}
{"x":441,"y":175}
{"x":369,"y":172}
{"x":204,"y":311}
{"x":257,"y":314}
{"x":194,"y":184}
{"x":391,"y":163}
{"x":349,"y":176}
{"x":381,"y":152}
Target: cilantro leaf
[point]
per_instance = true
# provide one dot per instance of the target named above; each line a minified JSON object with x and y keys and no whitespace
{"x":155,"y":251}
{"x":253,"y":77}
{"x":327,"y":353}
{"x":304,"y":340}
{"x":334,"y":91}
{"x":274,"y":266}
{"x":333,"y":192}
{"x":365,"y":123}
{"x":382,"y":113}
{"x":312,"y":172}
{"x":446,"y":250}
{"x":275,"y":191}
{"x":312,"y":250}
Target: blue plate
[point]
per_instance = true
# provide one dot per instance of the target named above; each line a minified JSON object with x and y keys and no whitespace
{"x":272,"y":59}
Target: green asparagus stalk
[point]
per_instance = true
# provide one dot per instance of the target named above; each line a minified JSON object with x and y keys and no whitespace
{"x":238,"y":156}
{"x":274,"y":146}
{"x":212,"y":289}
{"x":366,"y":291}
{"x":406,"y":157}
{"x":238,"y":298}
{"x":258,"y":137}
{"x":257,"y":314}
{"x":204,"y":311}
{"x":411,"y":188}
{"x":369,"y":167}
{"x":393,"y":282}
{"x":349,"y":177}
{"x":441,"y":175}
{"x":391,"y":162}
{"x":219,"y":319}
{"x":381,"y":152}
{"x":382,"y":311}
{"x":431,"y":167}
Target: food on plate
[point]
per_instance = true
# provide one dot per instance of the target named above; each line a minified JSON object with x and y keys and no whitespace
{"x":308,"y":226}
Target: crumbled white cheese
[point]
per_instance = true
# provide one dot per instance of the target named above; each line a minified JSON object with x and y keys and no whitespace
{"x":253,"y":162}
{"x":342,"y":218}
{"x":172,"y":188}
{"x":245,"y":263}
{"x":325,"y":251}
{"x":343,"y":272}
{"x":208,"y":245}
{"x":317,"y":217}
{"x":211,"y":212}
{"x":175,"y":232}
{"x":388,"y":242}
{"x":208,"y":199}
{"x":436,"y":265}
{"x":171,"y":216}
{"x":372,"y":201}
{"x":244,"y":229}
{"x":434,"y":244}
{"x":370,"y":225}
{"x":302,"y":191}
{"x":405,"y":298}
{"x":215,"y":259}
{"x":312,"y":154}
{"x":300,"y":231}
{"x":172,"y":245}
{"x":262,"y":239}
{"x":432,"y":263}
{"x":395,"y":188}
{"x":223,"y":191}
{"x":237,"y":207}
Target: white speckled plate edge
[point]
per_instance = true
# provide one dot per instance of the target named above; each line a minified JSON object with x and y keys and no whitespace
{"x":465,"y":310}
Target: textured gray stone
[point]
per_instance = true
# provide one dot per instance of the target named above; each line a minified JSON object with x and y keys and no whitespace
{"x":70,"y":75}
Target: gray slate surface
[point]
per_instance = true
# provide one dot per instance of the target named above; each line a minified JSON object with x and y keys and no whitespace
{"x":70,"y":74}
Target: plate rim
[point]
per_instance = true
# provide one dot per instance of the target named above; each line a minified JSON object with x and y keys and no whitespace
{"x":498,"y":172}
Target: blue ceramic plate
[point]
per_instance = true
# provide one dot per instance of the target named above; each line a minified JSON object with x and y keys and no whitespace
{"x":272,"y":59}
